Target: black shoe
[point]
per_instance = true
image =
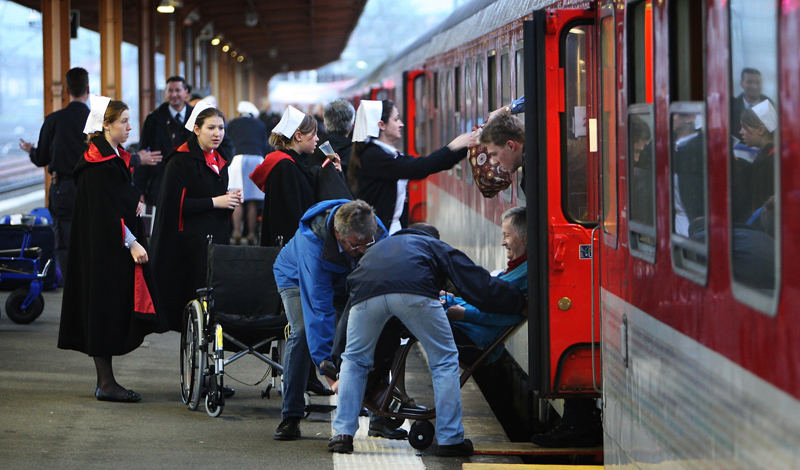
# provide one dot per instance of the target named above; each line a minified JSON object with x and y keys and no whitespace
{"x":318,"y":389}
{"x":464,"y":449}
{"x":579,"y":435}
{"x":382,"y":428}
{"x":288,"y":430}
{"x":228,"y":392}
{"x":341,"y":444}
{"x":129,"y":397}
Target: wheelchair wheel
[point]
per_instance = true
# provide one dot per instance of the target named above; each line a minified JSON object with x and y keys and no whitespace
{"x":215,"y":397}
{"x":14,"y":307}
{"x":421,"y":435}
{"x":192,"y":356}
{"x":215,"y":401}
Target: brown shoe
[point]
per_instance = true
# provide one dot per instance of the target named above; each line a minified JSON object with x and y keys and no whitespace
{"x":341,"y":444}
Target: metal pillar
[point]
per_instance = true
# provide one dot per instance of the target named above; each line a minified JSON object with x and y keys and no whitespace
{"x":110,"y":26}
{"x":55,"y":43}
{"x":147,"y":54}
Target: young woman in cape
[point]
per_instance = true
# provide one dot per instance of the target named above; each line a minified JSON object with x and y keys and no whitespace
{"x":194,"y":203}
{"x":379,"y":174}
{"x":283,"y":176}
{"x":110,"y":302}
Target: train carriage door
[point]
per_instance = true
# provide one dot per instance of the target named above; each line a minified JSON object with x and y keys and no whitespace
{"x":561,"y":176}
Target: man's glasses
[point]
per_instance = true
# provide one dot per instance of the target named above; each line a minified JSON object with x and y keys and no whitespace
{"x":358,"y":247}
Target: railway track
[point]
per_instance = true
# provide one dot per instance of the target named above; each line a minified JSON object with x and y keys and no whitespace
{"x":18,"y":172}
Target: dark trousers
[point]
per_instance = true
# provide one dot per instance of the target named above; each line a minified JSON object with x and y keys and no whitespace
{"x":62,"y":198}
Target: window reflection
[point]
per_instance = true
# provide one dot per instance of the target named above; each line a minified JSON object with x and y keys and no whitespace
{"x":577,"y":203}
{"x":688,"y":175}
{"x":754,"y":130}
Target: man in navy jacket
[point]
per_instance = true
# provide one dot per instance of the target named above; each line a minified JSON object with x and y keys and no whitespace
{"x":402,"y":276}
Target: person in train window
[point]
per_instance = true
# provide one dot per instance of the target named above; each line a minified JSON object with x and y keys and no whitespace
{"x":402,"y":277}
{"x":379,"y":174}
{"x":283,"y":176}
{"x":107,"y":307}
{"x":751,"y":95}
{"x":194,"y":203}
{"x":758,"y":126}
{"x":474,"y":330}
{"x":504,"y":138}
{"x":249,"y":137}
{"x":687,"y":168}
{"x":642,"y":186}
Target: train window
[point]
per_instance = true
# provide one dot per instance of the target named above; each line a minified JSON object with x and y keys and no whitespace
{"x":688,"y":179}
{"x":491,"y":70}
{"x":641,"y":155}
{"x":457,"y":77}
{"x":505,"y":78}
{"x":479,"y":104}
{"x":640,"y":52}
{"x":421,"y":129}
{"x":755,"y":166}
{"x":608,"y":113}
{"x":436,"y":90}
{"x":469,"y":90}
{"x":519,"y":66}
{"x":520,"y":190}
{"x":688,"y":150}
{"x":686,"y":46}
{"x":642,"y":182}
{"x":575,"y":146}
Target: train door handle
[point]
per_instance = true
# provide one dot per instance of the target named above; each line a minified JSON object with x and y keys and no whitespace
{"x":559,"y":251}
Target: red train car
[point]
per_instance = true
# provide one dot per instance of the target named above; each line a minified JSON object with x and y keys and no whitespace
{"x":662,"y":218}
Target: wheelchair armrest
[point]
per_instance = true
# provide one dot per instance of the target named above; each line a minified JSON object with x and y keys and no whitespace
{"x":28,"y":253}
{"x":16,"y":228}
{"x":204,"y":291}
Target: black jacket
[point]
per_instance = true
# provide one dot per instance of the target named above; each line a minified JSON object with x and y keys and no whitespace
{"x":413,"y":262}
{"x":184,"y":218}
{"x":100,"y":315}
{"x":61,"y":139}
{"x":159,"y":132}
{"x":380,"y":171}
{"x":249,"y":136}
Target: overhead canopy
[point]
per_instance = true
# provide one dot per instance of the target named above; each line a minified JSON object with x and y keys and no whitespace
{"x":275,"y":36}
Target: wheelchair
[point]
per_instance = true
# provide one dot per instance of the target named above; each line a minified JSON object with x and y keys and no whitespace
{"x":387,"y":400}
{"x":239,"y":310}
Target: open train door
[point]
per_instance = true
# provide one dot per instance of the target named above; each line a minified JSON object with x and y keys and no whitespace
{"x":561,"y":179}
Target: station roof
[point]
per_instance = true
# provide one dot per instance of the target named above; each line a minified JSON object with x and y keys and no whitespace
{"x":288,"y":35}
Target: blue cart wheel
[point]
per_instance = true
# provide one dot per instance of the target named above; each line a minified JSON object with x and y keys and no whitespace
{"x":14,"y":307}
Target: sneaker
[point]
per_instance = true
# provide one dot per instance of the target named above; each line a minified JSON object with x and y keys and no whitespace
{"x":579,"y":435}
{"x":464,"y":449}
{"x":382,"y":428}
{"x":341,"y":444}
{"x":288,"y":430}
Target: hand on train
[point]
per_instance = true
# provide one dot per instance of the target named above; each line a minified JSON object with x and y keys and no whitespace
{"x":26,"y":146}
{"x":139,"y":209}
{"x":226,"y":201}
{"x":466,"y":139}
{"x":149,"y":158}
{"x":139,"y":253}
{"x":456,"y":313}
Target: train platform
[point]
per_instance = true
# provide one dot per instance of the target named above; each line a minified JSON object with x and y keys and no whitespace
{"x":51,"y":420}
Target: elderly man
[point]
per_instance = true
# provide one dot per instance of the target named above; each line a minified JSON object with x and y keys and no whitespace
{"x":402,"y":277}
{"x":339,"y":118}
{"x":310,"y":273}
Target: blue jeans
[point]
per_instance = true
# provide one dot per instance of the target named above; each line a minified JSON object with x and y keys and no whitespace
{"x":426,"y":320}
{"x":297,"y":359}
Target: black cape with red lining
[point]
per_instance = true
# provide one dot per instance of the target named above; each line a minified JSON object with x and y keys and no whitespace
{"x":110,"y":304}
{"x":185,"y":216}
{"x":288,"y":188}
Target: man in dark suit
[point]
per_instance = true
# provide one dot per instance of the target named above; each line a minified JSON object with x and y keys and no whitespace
{"x":163,"y":130}
{"x":751,"y":84}
{"x":61,"y":144}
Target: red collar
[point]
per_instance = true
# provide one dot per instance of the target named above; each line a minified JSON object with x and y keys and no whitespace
{"x":93,"y":155}
{"x":261,"y":173}
{"x":514,"y":263}
{"x":214,"y":160}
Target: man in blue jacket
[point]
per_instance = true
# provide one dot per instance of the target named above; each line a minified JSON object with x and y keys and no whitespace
{"x":310,"y":273}
{"x":402,"y":277}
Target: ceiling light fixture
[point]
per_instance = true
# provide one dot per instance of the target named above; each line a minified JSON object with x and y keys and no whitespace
{"x":226,"y":48}
{"x":215,"y":42}
{"x":169,"y":6}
